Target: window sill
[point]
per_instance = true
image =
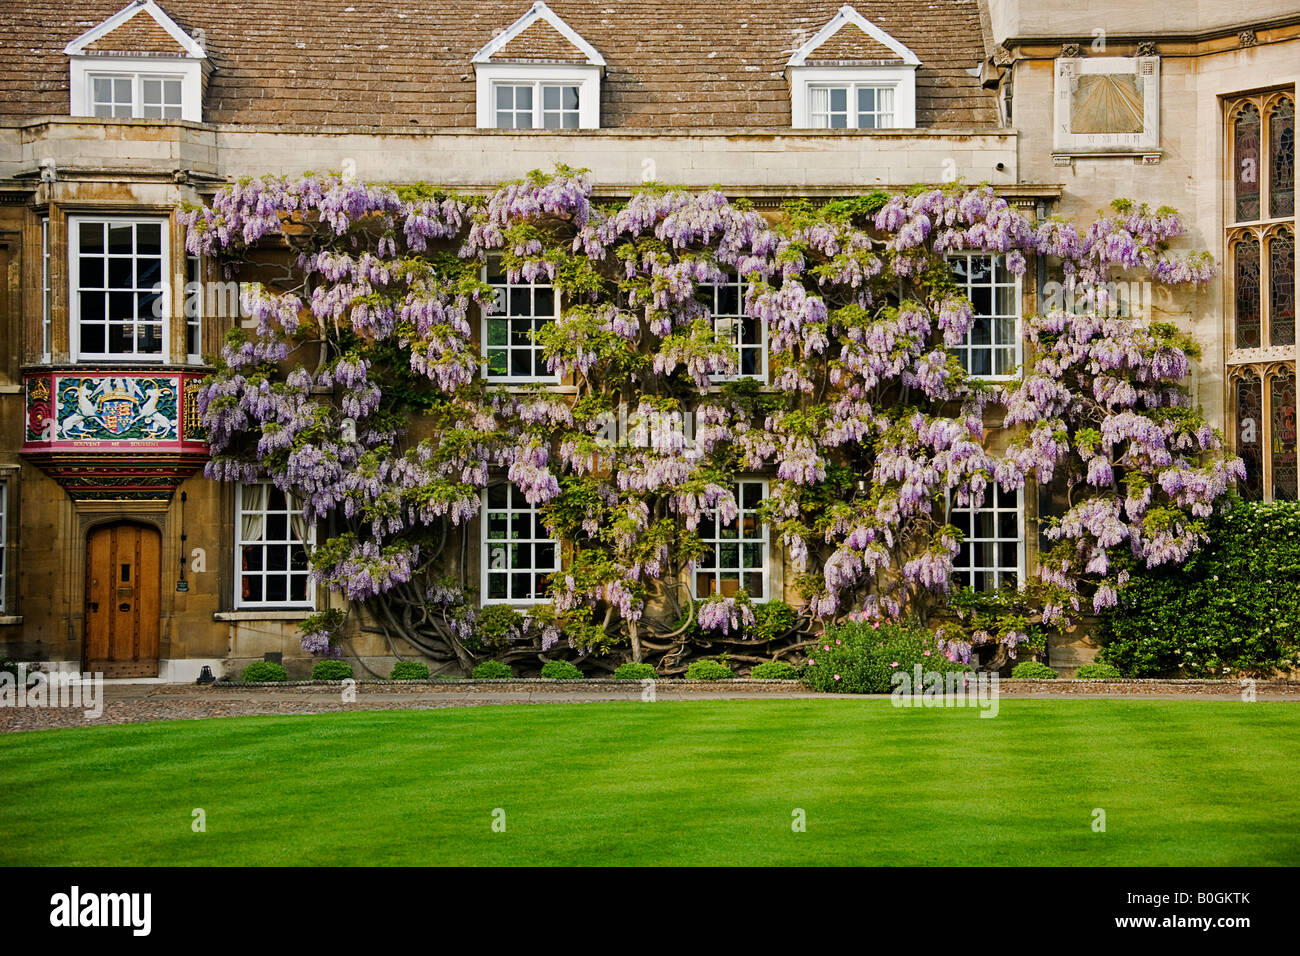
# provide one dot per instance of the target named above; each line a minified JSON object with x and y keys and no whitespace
{"x":265,"y":614}
{"x":10,"y":619}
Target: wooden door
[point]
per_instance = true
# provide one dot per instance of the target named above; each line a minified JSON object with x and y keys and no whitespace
{"x":123,"y":600}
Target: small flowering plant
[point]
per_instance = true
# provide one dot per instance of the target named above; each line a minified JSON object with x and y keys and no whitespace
{"x":860,"y":657}
{"x":320,"y":632}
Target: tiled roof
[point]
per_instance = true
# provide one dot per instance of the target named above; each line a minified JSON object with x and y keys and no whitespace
{"x":540,"y":41}
{"x":141,"y":34}
{"x":400,"y":63}
{"x":850,"y":43}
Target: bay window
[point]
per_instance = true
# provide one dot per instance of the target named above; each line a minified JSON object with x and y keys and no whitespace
{"x":117,"y":267}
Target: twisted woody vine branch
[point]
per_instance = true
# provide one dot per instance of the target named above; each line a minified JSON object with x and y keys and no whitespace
{"x":870,"y":431}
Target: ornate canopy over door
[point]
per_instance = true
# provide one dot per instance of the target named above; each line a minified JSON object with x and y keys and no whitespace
{"x":113,"y":432}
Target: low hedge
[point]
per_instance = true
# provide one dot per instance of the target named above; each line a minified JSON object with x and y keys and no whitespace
{"x":492,"y":670}
{"x":1097,"y":672}
{"x":633,"y":670}
{"x":774,"y":670}
{"x":1033,"y":670}
{"x":331,"y":670}
{"x":708,"y":670}
{"x":561,"y":670}
{"x":410,"y":670}
{"x":264,"y":672}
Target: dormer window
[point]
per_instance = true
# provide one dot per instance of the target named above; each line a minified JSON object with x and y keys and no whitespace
{"x":137,"y":64}
{"x":852,"y":75}
{"x":136,"y":95}
{"x":851,"y":106}
{"x":538,"y":73}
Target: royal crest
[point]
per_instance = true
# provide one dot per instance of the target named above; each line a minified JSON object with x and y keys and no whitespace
{"x":118,"y":408}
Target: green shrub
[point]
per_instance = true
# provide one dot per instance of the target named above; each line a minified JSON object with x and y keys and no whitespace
{"x":331,"y":670}
{"x":410,"y":670}
{"x":264,"y":672}
{"x":492,"y":670}
{"x":1233,"y":606}
{"x":496,"y":626}
{"x":774,"y":670}
{"x":708,"y":670}
{"x":633,"y":670}
{"x":861,"y":658}
{"x":772,"y":619}
{"x":1097,"y":672}
{"x":1033,"y":670}
{"x":561,"y":670}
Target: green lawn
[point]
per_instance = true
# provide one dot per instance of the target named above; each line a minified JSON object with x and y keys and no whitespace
{"x":708,"y":782}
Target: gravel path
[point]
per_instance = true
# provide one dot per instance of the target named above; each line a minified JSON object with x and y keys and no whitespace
{"x":127,"y":703}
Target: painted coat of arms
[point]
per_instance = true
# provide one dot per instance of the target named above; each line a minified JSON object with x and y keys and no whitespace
{"x":117,"y":408}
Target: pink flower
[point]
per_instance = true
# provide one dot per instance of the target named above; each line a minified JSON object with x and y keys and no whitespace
{"x":876,"y":625}
{"x":839,"y":642}
{"x":927,"y":653}
{"x":837,"y":676}
{"x":811,"y":662}
{"x":827,"y":647}
{"x":893,"y":663}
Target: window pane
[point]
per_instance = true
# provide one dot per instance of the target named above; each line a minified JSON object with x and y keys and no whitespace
{"x":1281,"y":307}
{"x":1246,"y":272}
{"x":1281,"y":150}
{"x":1283,"y":437}
{"x":1247,"y":172}
{"x":1250,"y":426}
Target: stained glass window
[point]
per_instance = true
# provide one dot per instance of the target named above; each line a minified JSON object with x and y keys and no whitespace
{"x":1246,"y":259}
{"x":1249,"y":445}
{"x":1281,"y":289}
{"x":1281,"y":160}
{"x":1246,"y":152}
{"x":1282,"y":398}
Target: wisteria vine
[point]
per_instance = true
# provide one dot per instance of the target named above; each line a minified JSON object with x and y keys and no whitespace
{"x":362,"y":391}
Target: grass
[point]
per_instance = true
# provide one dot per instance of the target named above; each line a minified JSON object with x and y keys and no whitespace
{"x":705,"y":782}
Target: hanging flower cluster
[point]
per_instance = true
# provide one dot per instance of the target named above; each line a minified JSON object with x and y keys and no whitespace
{"x":363,"y":392}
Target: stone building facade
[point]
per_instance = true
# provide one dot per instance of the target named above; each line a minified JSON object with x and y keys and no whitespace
{"x":118,"y":555}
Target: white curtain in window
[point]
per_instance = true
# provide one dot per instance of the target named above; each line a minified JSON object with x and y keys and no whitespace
{"x":252,"y":507}
{"x":819,"y":107}
{"x":298,"y":523}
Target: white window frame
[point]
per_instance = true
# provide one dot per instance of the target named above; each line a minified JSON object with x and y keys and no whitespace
{"x":534,"y":348}
{"x":242,"y":603}
{"x":900,"y":79}
{"x":74,"y":299}
{"x":736,"y":319}
{"x":966,"y":349}
{"x":994,"y":500}
{"x":491,"y":75}
{"x":852,"y":115}
{"x":47,"y":288}
{"x":516,"y":503}
{"x":84,"y":70}
{"x":193,"y":300}
{"x":764,"y":541}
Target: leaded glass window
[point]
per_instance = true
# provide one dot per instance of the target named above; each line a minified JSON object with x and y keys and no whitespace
{"x":1246,"y":272}
{"x":1282,"y":407}
{"x":1281,"y":160}
{"x":1250,"y":413}
{"x":1246,"y":166}
{"x":1281,"y":288}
